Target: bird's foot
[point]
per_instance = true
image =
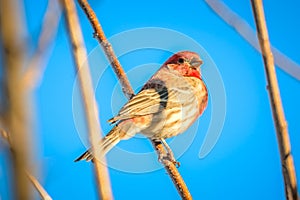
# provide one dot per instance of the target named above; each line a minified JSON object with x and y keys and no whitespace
{"x":165,"y":154}
{"x":168,"y":157}
{"x":170,"y":154}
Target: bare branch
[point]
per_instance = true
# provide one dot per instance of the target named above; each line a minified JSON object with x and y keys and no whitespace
{"x":87,"y":93}
{"x":287,"y":162}
{"x":17,"y":118}
{"x":43,"y":193}
{"x":245,"y":30}
{"x":100,"y":36}
{"x":128,"y":91}
{"x":36,"y":67}
{"x":173,"y":172}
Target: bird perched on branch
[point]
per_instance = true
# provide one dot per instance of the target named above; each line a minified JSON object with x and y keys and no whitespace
{"x":171,"y":100}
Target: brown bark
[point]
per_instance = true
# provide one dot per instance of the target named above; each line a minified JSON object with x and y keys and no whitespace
{"x":87,"y":93}
{"x":17,"y":119}
{"x":283,"y":139}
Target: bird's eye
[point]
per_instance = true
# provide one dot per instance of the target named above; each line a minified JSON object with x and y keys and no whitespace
{"x":180,"y":60}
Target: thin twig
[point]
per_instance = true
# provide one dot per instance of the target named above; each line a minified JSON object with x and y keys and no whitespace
{"x":100,"y":36}
{"x":128,"y":91}
{"x":87,"y":93}
{"x":247,"y":32}
{"x":17,"y":118}
{"x":287,"y":162}
{"x":172,"y":170}
{"x":36,"y":67}
{"x":43,"y":193}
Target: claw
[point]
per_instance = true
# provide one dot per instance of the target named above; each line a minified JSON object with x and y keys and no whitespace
{"x":172,"y":159}
{"x":176,"y":163}
{"x":161,"y":158}
{"x":169,"y":156}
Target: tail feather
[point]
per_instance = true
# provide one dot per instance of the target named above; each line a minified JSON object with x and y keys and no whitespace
{"x":104,"y":146}
{"x":85,"y":156}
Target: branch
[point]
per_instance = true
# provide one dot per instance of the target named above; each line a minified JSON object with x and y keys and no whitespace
{"x":128,"y":91}
{"x":16,"y":118}
{"x":99,"y":35}
{"x":245,"y":30}
{"x":34,"y":73}
{"x":43,"y":193}
{"x":287,"y":162}
{"x":87,"y":93}
{"x":173,"y":172}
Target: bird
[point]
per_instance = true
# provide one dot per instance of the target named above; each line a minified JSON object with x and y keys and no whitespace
{"x":166,"y":106}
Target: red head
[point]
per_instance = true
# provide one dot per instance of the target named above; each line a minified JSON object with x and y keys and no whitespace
{"x":187,"y":63}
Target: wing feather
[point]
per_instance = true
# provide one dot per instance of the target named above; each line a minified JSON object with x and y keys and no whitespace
{"x":147,"y":101}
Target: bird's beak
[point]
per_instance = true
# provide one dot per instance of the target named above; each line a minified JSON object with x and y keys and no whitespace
{"x":195,"y":62}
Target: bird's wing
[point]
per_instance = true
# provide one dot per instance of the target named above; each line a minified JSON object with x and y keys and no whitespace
{"x":147,"y":101}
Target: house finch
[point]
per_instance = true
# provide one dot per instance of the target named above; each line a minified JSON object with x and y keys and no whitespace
{"x":167,"y":105}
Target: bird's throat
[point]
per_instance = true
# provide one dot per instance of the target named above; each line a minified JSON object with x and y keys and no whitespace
{"x":194,"y":73}
{"x":186,"y":71}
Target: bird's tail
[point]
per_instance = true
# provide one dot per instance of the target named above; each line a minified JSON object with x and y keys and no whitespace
{"x":105,"y":145}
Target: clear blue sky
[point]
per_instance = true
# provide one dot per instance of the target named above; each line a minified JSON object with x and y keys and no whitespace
{"x":244,"y":163}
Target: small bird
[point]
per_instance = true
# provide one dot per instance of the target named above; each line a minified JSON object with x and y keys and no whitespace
{"x":170,"y":101}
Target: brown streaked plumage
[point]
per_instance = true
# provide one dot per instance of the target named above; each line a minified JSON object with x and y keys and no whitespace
{"x":172,"y":99}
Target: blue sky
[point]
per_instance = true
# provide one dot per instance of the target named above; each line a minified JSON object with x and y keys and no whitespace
{"x":244,"y":163}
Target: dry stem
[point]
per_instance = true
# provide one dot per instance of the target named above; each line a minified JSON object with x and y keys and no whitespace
{"x":173,"y":172}
{"x":17,"y":119}
{"x":34,"y":73}
{"x":128,"y":91}
{"x":246,"y":31}
{"x":87,"y":93}
{"x":43,"y":193}
{"x":100,"y":36}
{"x":288,"y":169}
